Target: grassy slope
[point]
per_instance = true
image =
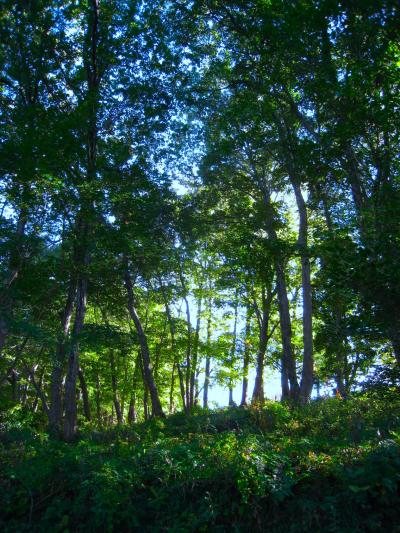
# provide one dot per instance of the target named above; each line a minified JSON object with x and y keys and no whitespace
{"x":331,"y":466}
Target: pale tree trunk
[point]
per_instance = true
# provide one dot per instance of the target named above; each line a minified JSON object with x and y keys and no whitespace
{"x":30,"y":374}
{"x":132,"y":414}
{"x":147,"y":368}
{"x":307,"y":375}
{"x":246,"y":358}
{"x":208,"y":358}
{"x":37,"y":398}
{"x":172,"y":390}
{"x":233,"y":348}
{"x":193,"y":367}
{"x":189,"y":343}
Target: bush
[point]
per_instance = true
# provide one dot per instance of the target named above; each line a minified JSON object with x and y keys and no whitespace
{"x":332,"y":465}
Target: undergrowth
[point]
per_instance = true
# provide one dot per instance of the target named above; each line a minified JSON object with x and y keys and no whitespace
{"x":332,"y":465}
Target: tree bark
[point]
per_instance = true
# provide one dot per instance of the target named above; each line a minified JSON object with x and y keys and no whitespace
{"x":307,"y":375}
{"x":233,"y":348}
{"x":258,"y":392}
{"x":147,"y":369}
{"x":85,"y":395}
{"x":70,"y":419}
{"x":114,"y":384}
{"x":132,"y":409}
{"x":55,"y":413}
{"x":289,"y":376}
{"x":290,"y":386}
{"x":246,"y":358}
{"x":193,"y":367}
{"x":98,"y":400}
{"x":208,"y":358}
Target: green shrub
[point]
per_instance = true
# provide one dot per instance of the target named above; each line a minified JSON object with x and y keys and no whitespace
{"x":332,"y":465}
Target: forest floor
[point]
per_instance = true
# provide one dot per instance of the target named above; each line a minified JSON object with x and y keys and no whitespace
{"x":331,"y":466}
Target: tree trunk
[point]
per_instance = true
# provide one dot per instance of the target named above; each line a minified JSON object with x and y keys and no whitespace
{"x":246,"y":359}
{"x":172,"y":390}
{"x":114,"y":384}
{"x":37,"y":397}
{"x":147,"y":370}
{"x":289,"y":376}
{"x":193,"y":367}
{"x":85,"y":395}
{"x":307,"y":375}
{"x":70,"y":418}
{"x":83,"y":220}
{"x":208,"y":358}
{"x":132,"y":409}
{"x":98,"y":400}
{"x":55,"y":413}
{"x":288,"y":362}
{"x":258,"y":392}
{"x":233,"y":348}
{"x":173,"y":348}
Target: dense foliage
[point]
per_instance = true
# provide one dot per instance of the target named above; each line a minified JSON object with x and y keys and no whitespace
{"x":330,"y":466}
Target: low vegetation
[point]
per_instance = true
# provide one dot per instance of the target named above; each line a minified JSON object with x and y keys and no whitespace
{"x":332,"y":465}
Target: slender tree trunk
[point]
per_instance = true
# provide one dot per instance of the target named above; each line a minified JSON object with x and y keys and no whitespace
{"x":98,"y":400}
{"x":132,"y":414}
{"x":208,"y":358}
{"x":55,"y":413}
{"x":246,"y":359}
{"x":233,"y":348}
{"x":37,"y":398}
{"x":307,"y":376}
{"x":258,"y":393}
{"x":172,"y":390}
{"x":188,"y":355}
{"x":30,"y":375}
{"x":174,"y":348}
{"x":206,"y":381}
{"x":114,"y":384}
{"x":193,"y":368}
{"x":145,"y":402}
{"x":147,"y":369}
{"x":85,"y":394}
{"x":290,"y":386}
{"x":70,"y":419}
{"x":288,"y":361}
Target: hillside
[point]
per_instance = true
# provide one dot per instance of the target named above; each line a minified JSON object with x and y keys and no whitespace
{"x":333,"y":465}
